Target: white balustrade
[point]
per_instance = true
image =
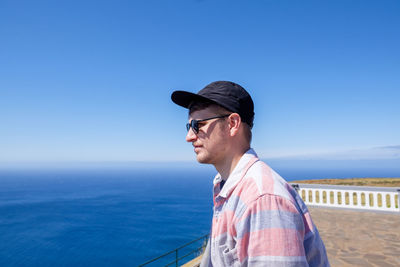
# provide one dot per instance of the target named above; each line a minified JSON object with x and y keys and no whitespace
{"x":354,"y":197}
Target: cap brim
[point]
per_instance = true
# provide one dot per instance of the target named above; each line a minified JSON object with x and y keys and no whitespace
{"x":184,"y":98}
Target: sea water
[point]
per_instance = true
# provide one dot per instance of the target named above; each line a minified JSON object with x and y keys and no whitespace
{"x":99,"y":218}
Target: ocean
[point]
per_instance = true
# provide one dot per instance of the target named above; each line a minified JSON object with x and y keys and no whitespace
{"x":110,"y":216}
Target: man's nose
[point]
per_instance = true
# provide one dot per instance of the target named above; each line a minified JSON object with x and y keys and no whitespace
{"x":191,"y":136}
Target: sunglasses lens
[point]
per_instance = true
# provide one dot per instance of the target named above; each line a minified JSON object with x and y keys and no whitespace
{"x":195,"y":126}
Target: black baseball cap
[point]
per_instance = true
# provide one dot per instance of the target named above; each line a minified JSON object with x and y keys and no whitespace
{"x":226,"y":94}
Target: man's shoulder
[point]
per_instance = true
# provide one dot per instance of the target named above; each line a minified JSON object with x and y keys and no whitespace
{"x":260,"y":179}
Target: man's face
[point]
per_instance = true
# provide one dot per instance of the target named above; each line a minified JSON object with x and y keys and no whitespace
{"x":210,"y":143}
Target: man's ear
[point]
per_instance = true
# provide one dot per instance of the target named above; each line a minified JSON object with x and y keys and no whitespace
{"x":234,"y":123}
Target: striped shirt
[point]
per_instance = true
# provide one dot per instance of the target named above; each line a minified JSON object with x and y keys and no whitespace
{"x":260,"y":220}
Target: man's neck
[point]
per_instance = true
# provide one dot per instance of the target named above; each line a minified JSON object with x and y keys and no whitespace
{"x":229,"y":163}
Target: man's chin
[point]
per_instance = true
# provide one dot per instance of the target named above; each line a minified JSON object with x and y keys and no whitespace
{"x":202,"y":159}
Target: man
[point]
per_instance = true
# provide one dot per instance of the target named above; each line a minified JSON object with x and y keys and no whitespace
{"x":259,"y":219}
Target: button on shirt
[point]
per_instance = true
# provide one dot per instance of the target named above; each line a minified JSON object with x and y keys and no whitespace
{"x":260,"y":220}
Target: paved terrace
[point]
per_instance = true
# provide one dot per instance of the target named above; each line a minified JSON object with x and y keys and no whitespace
{"x":356,"y":238}
{"x":359,"y":238}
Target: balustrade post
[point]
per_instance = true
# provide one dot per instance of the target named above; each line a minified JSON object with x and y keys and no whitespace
{"x":335,"y":197}
{"x":370,"y":199}
{"x":359,"y":199}
{"x":384,"y":204}
{"x":329,"y":197}
{"x":306,"y":195}
{"x":394,"y":202}
{"x":398,"y":199}
{"x":376,"y":199}
{"x":343,"y":193}
{"x":351,"y":200}
{"x":312,"y":196}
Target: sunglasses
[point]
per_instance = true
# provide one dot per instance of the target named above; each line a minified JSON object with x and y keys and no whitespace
{"x":195,"y":123}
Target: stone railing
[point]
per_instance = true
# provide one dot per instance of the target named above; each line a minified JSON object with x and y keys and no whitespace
{"x":353,"y":197}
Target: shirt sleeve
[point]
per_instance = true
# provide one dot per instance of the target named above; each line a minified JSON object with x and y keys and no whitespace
{"x":271,"y":232}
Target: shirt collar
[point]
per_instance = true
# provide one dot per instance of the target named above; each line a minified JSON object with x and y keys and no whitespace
{"x":248,"y":158}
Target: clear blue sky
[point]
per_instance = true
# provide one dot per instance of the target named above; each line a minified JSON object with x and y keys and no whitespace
{"x":91,"y":80}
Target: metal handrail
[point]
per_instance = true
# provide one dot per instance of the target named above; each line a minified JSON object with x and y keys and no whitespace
{"x":177,"y":259}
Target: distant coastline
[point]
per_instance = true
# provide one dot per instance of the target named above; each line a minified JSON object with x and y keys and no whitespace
{"x":384,"y":182}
